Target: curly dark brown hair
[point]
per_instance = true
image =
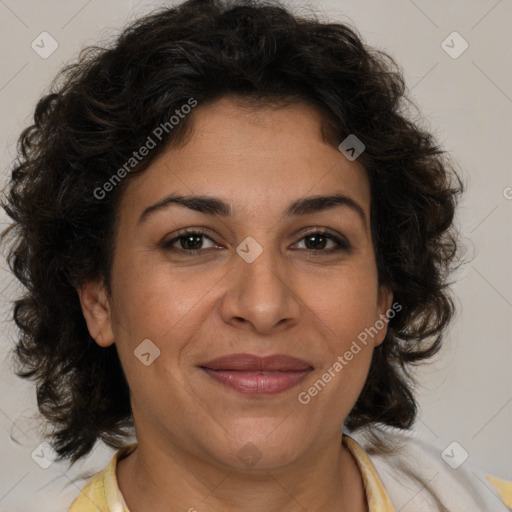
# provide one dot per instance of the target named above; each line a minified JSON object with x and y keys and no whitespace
{"x":103,"y":107}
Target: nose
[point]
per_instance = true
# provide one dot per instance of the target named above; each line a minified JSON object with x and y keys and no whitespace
{"x":261,"y":295}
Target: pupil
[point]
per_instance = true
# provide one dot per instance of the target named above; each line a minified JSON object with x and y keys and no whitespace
{"x":189,"y":238}
{"x":316,"y":242}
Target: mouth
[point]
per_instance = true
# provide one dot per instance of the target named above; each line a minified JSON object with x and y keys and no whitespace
{"x":254,"y":375}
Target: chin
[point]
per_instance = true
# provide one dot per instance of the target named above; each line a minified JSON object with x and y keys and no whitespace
{"x":266,"y":448}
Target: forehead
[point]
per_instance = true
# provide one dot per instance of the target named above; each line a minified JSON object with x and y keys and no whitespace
{"x":257,"y":159}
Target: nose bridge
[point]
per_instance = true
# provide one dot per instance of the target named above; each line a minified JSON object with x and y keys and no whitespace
{"x":261,"y":269}
{"x":260,"y":290}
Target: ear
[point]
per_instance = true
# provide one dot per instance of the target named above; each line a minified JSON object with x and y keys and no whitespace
{"x":384,"y":302}
{"x":96,"y":311}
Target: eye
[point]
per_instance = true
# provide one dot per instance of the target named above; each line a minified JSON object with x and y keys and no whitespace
{"x":316,"y":241}
{"x":190,"y":241}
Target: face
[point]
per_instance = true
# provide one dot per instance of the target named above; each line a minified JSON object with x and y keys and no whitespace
{"x":264,"y":280}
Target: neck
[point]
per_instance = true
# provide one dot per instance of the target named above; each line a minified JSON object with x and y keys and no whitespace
{"x":151,"y":478}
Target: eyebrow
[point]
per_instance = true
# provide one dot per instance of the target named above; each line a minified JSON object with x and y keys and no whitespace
{"x":217,"y":207}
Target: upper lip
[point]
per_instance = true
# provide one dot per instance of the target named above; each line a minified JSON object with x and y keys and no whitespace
{"x":249,"y":362}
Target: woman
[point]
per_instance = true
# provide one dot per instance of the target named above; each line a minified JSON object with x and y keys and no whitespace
{"x":235,"y":242}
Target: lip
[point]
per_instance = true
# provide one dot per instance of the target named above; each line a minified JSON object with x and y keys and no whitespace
{"x":254,"y":375}
{"x":252,"y":363}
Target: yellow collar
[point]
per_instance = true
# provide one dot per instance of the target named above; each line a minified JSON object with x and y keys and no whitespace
{"x":376,"y":495}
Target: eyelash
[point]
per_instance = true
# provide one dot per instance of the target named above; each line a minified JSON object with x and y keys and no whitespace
{"x":342,"y":244}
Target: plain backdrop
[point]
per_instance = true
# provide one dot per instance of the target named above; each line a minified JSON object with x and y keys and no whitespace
{"x":465,"y":395}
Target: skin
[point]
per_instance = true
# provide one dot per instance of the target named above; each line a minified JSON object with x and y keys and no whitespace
{"x":290,"y":300}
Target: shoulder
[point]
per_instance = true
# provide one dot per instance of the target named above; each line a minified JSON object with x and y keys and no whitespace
{"x":92,"y":497}
{"x":421,"y":475}
{"x":101,"y":492}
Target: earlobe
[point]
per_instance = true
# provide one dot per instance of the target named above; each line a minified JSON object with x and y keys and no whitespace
{"x":385,"y":302}
{"x":96,"y":311}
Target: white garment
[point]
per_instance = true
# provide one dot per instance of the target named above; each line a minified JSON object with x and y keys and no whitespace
{"x":416,"y":474}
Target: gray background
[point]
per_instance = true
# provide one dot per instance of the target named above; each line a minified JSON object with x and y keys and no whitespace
{"x":466,"y":394}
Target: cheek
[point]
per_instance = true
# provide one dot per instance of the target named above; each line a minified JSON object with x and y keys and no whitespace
{"x":347,"y":301}
{"x":153,"y":301}
{"x":345,"y":314}
{"x":344,"y":321}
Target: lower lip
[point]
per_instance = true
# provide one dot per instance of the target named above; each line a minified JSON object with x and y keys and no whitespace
{"x":254,"y":383}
